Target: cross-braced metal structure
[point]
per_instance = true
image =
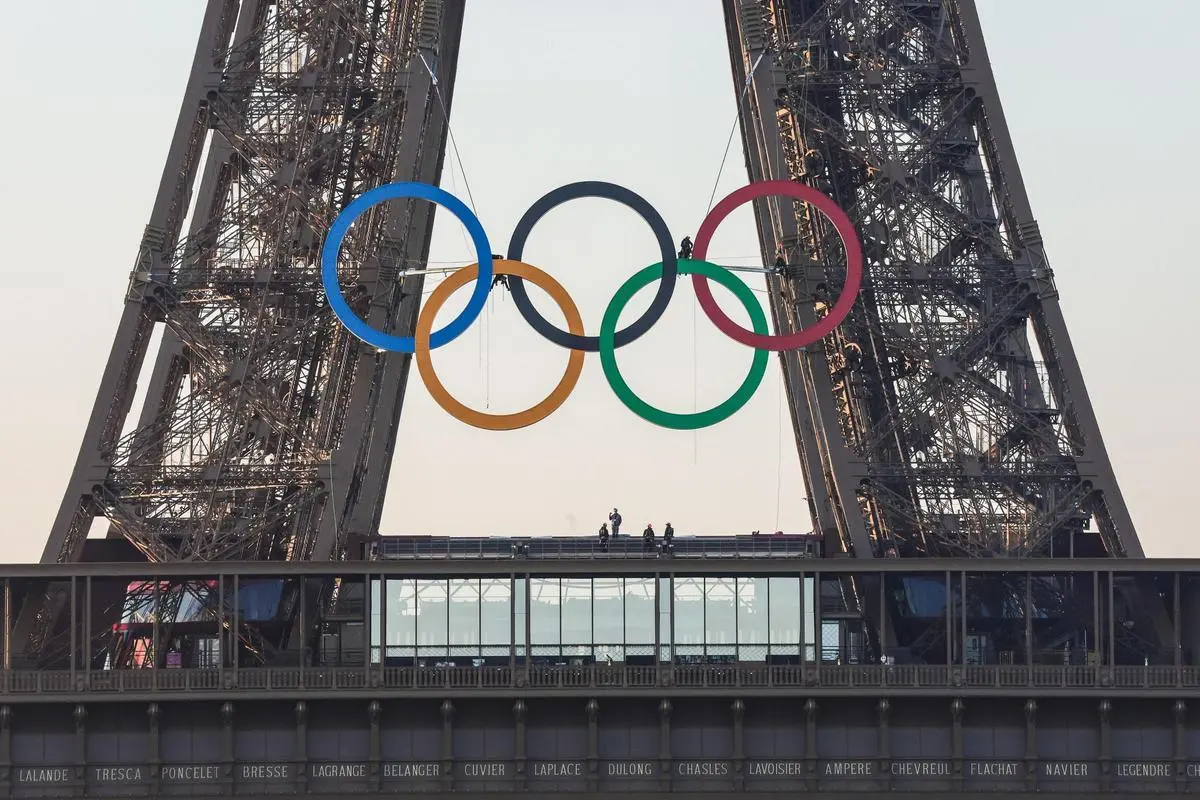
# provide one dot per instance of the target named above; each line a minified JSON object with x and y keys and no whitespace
{"x":946,"y":416}
{"x":265,"y":422}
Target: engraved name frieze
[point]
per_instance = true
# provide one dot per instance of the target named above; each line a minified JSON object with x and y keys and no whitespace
{"x":1143,"y":769}
{"x":921,"y":769}
{"x":702,"y":769}
{"x":190,"y":773}
{"x":994,"y":769}
{"x":630,"y":769}
{"x":1065,"y":769}
{"x":850,"y":768}
{"x":774,"y":769}
{"x":557,"y":769}
{"x":118,"y":774}
{"x":44,"y":774}
{"x":484,"y":769}
{"x":265,"y":772}
{"x":337,"y":770}
{"x":410,"y":769}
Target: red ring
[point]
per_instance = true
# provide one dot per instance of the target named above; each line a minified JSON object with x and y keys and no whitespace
{"x":850,"y":241}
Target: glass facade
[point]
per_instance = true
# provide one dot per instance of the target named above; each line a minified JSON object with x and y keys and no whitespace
{"x":566,"y":620}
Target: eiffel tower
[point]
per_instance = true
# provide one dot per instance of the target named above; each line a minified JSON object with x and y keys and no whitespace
{"x":947,"y":416}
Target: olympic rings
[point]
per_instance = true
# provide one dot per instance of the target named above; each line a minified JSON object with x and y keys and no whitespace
{"x":333,"y":246}
{"x":425,"y":340}
{"x":667,"y":419}
{"x":498,"y":422}
{"x":607,"y":191}
{"x":854,"y":265}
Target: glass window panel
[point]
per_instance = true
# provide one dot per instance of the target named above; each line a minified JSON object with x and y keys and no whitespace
{"x":544,"y":611}
{"x":376,"y":617}
{"x":720,"y":615}
{"x":810,"y":618}
{"x":639,"y":610}
{"x":464,"y":612}
{"x":752,"y":608}
{"x":576,"y":611}
{"x":496,"y":611}
{"x":831,"y":642}
{"x":784,"y":628}
{"x":608,"y":611}
{"x":401,"y":602}
{"x":433,"y":617}
{"x":664,"y":620}
{"x":520,"y":627}
{"x":689,"y":611}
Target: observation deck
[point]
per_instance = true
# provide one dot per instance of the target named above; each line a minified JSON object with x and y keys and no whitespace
{"x":507,"y":666}
{"x":626,"y":546}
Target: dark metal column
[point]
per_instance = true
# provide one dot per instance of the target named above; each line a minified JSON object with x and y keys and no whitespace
{"x":447,"y":745}
{"x":1105,"y":709}
{"x":228,"y":775}
{"x":7,"y":779}
{"x":1181,"y":753}
{"x":300,"y":753}
{"x":956,"y":741}
{"x":521,"y":779}
{"x":81,"y":757}
{"x":373,"y":712}
{"x":592,"y":709}
{"x":884,"y":762}
{"x":1031,"y":748}
{"x":810,"y":746}
{"x":154,"y":735}
{"x":739,"y":745}
{"x":664,"y":745}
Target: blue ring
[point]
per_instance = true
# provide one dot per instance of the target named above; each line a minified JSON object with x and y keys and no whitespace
{"x":333,"y":246}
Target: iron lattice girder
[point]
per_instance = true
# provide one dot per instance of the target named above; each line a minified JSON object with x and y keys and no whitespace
{"x":962,"y":430}
{"x":306,"y":103}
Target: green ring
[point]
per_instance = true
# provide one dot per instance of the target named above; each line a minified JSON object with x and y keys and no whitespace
{"x":666,"y":419}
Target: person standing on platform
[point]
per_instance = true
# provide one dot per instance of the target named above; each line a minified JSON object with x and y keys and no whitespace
{"x":615,"y":519}
{"x":604,"y":537}
{"x":648,"y":538}
{"x":668,"y":534}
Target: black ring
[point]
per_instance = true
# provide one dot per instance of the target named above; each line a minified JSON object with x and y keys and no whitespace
{"x":608,"y":191}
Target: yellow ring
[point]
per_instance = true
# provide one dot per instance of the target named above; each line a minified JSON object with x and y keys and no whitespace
{"x":497,"y":422}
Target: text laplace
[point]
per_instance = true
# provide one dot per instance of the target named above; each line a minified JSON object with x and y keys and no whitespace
{"x":552,"y":769}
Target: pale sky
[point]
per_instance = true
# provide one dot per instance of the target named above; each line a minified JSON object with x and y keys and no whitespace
{"x":1100,"y":97}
